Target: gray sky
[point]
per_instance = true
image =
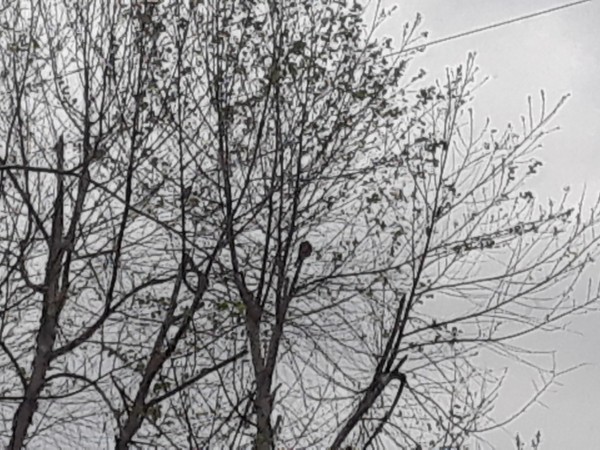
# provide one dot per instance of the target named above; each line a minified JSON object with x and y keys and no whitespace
{"x":559,"y":53}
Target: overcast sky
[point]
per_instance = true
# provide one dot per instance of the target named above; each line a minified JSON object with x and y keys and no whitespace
{"x":560,"y":53}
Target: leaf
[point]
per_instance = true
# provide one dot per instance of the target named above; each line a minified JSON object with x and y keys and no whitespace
{"x":222,"y":306}
{"x":298,"y":47}
{"x":361,"y":95}
{"x":275,"y":75}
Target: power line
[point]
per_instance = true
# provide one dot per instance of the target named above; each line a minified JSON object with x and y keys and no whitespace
{"x":489,"y":27}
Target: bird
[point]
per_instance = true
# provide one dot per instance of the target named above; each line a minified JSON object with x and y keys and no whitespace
{"x":305,"y":250}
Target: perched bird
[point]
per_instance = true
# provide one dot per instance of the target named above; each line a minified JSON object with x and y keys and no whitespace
{"x":305,"y":250}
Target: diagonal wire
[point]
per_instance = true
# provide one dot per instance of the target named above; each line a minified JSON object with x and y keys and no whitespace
{"x":489,"y":27}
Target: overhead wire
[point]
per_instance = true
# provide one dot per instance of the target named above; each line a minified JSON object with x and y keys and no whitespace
{"x":488,"y":27}
{"x":455,"y":36}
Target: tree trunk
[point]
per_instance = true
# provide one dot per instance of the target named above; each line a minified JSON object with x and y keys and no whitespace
{"x":41,"y":361}
{"x":264,"y":439}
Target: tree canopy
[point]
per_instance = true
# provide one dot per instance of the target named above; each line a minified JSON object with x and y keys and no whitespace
{"x":230,"y":223}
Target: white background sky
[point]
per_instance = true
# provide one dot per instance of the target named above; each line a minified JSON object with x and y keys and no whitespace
{"x":559,"y":53}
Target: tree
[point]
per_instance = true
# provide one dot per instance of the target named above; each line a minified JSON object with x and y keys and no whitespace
{"x":232,"y":222}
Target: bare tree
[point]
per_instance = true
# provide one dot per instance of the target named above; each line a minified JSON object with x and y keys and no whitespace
{"x":229,"y":223}
{"x":99,"y":290}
